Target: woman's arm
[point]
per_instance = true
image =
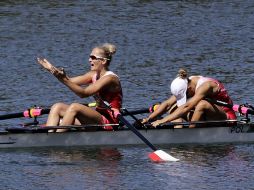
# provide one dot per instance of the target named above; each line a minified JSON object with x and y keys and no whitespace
{"x":83,"y":79}
{"x":163,"y":108}
{"x":61,"y":75}
{"x":93,"y":88}
{"x":75,"y":82}
{"x":200,"y":94}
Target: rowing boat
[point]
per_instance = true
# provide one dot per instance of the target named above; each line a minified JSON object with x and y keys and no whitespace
{"x":205,"y":132}
{"x":37,"y":136}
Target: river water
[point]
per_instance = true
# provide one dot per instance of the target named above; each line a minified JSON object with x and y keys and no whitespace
{"x":154,"y":39}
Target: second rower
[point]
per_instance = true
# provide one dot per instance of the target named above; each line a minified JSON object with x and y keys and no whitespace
{"x":198,"y":89}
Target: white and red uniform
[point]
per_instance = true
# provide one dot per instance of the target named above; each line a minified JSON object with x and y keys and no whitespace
{"x":221,"y":95}
{"x":113,"y":98}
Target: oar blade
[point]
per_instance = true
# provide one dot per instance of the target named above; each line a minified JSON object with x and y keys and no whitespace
{"x":161,"y":156}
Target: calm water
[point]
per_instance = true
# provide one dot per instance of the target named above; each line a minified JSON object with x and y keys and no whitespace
{"x":154,"y":39}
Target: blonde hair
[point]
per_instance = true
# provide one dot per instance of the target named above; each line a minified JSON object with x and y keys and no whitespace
{"x":108,"y":50}
{"x":182,"y":73}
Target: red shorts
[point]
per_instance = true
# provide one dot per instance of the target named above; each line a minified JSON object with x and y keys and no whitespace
{"x":229,"y":112}
{"x":108,"y":117}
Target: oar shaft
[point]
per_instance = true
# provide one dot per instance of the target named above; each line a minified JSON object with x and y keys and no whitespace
{"x":135,"y":112}
{"x":134,"y":130}
{"x":11,"y":116}
{"x":45,"y":111}
{"x":39,"y":111}
{"x":157,"y":155}
{"x":34,"y":112}
{"x":125,"y":122}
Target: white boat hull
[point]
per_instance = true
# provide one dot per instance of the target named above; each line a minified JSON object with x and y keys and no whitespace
{"x":237,"y":134}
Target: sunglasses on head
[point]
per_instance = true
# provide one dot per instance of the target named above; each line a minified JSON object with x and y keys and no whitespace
{"x":93,"y":57}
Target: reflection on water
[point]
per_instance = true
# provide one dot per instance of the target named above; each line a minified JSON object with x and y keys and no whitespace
{"x":63,"y":165}
{"x":208,"y":167}
{"x":128,"y":167}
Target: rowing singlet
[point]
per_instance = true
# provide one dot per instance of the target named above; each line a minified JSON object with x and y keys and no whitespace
{"x":221,"y":95}
{"x":113,"y":98}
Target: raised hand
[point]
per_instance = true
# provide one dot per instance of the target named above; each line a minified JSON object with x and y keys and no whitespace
{"x":58,"y":73}
{"x":45,"y":64}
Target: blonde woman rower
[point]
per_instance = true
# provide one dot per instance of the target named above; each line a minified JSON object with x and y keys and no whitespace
{"x":99,"y":81}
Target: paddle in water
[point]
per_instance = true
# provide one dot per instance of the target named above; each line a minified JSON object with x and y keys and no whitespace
{"x":157,"y":155}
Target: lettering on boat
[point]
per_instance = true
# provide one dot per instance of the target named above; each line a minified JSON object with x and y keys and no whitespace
{"x":237,"y":129}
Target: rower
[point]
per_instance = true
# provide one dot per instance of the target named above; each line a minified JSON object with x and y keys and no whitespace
{"x":196,"y":89}
{"x":101,"y":82}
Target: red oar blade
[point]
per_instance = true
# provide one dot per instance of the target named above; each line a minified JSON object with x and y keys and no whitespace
{"x":161,"y":156}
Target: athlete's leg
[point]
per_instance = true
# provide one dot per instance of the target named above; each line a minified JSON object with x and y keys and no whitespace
{"x":82,"y":113}
{"x":207,"y":111}
{"x":57,"y":111}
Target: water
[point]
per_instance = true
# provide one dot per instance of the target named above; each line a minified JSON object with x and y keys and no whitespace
{"x":201,"y":167}
{"x":154,"y":39}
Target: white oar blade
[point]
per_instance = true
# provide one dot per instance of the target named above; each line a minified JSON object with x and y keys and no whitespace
{"x":161,"y":156}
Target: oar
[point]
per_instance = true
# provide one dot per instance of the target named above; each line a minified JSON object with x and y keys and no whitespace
{"x":157,"y":155}
{"x":139,"y":111}
{"x":34,"y":112}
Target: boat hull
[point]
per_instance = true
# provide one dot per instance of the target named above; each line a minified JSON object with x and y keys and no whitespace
{"x":243,"y":133}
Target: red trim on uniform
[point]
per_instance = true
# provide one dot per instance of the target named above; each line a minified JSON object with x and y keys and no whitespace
{"x":115,"y":101}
